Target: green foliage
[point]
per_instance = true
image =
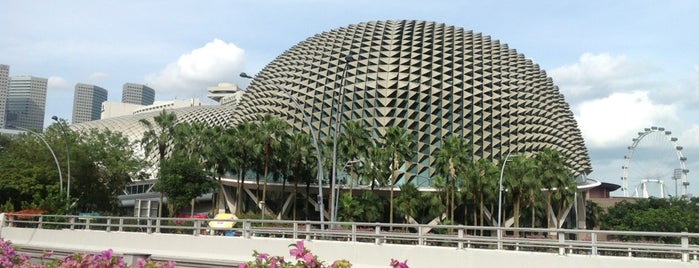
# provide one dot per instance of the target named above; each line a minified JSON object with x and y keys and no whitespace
{"x":593,"y":214}
{"x":102,"y":163}
{"x":182,"y":179}
{"x":653,"y":214}
{"x":421,"y":206}
{"x":367,"y":207}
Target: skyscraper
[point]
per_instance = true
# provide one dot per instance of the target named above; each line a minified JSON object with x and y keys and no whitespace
{"x":137,"y":94}
{"x":87,"y":102}
{"x":26,"y":102}
{"x":4,"y":87}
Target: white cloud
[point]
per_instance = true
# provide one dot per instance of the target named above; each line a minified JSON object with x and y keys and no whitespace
{"x":193,"y":72}
{"x":690,"y":137}
{"x":97,"y":77}
{"x":57,"y":82}
{"x":598,"y":75}
{"x":614,"y":120}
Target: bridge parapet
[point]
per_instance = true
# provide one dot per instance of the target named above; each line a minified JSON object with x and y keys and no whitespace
{"x":364,"y":244}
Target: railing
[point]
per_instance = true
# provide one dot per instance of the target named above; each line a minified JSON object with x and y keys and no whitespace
{"x":662,"y":245}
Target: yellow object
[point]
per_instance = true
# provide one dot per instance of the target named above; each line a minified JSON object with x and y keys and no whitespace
{"x":227,"y":221}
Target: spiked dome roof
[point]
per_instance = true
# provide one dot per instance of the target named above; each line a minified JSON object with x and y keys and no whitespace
{"x":430,"y":78}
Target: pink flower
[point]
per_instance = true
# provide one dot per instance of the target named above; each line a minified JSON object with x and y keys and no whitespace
{"x":308,"y":258}
{"x":262,"y":256}
{"x":299,"y":251}
{"x":398,"y":264}
{"x":243,"y":265}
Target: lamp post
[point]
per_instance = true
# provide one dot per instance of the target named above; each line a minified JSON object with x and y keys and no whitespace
{"x":306,"y":118}
{"x":502,"y":171}
{"x":41,"y":137}
{"x":65,"y":137}
{"x":338,"y":117}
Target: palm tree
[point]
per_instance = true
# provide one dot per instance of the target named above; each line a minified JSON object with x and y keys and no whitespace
{"x":354,"y":143}
{"x":159,"y":136}
{"x":246,"y":146}
{"x":484,"y":185}
{"x":272,"y":130}
{"x":398,"y":143}
{"x":520,"y":180}
{"x":217,"y":155}
{"x":557,"y":180}
{"x":451,"y":160}
{"x":189,"y":138}
{"x":376,"y":170}
{"x":299,"y":148}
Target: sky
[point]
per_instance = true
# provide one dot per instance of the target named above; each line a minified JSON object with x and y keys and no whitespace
{"x":623,"y":66}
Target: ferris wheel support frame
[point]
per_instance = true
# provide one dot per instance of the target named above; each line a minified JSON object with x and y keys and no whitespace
{"x":678,"y":151}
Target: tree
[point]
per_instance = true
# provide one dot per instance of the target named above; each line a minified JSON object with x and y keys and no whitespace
{"x":182,"y":179}
{"x":520,"y":180}
{"x":451,"y":162}
{"x":556,"y":178}
{"x":367,"y":207}
{"x":104,"y":164}
{"x":484,"y":185}
{"x":301,"y":158}
{"x":28,"y":173}
{"x":354,"y":143}
{"x":102,"y":161}
{"x":272,"y":130}
{"x":218,"y":158}
{"x":654,"y":215}
{"x":398,"y":143}
{"x":245,"y":139}
{"x":159,"y":137}
{"x":421,"y":206}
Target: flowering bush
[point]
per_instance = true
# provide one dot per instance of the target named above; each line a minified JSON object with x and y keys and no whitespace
{"x":106,"y":259}
{"x":303,"y":258}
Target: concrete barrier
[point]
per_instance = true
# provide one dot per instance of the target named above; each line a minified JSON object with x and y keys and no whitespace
{"x":226,"y":250}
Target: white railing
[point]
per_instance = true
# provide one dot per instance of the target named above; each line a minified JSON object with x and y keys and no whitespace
{"x":661,"y":245}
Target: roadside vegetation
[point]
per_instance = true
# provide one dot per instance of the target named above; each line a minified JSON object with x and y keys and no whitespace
{"x":191,"y":159}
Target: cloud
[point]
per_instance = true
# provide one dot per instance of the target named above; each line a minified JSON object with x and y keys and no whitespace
{"x":193,"y":72}
{"x":597,"y":75}
{"x":97,"y":77}
{"x":690,"y":137}
{"x":614,"y":120}
{"x":57,"y":82}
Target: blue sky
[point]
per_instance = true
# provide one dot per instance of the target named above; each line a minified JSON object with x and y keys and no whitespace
{"x":622,"y":65}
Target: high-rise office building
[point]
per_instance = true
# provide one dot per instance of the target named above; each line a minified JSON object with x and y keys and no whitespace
{"x":26,"y":102}
{"x":137,"y":94}
{"x":4,"y":87}
{"x":87,"y":102}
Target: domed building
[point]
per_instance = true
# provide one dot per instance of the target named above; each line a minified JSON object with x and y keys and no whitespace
{"x":432,"y":79}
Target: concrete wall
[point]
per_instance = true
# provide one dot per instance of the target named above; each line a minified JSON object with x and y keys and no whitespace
{"x":226,"y":249}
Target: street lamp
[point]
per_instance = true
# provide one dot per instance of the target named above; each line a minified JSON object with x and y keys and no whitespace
{"x":338,"y":117}
{"x":306,"y":118}
{"x":41,"y":137}
{"x":65,"y":137}
{"x":502,"y":171}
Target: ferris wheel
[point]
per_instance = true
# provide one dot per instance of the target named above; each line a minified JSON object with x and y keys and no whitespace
{"x":653,"y":161}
